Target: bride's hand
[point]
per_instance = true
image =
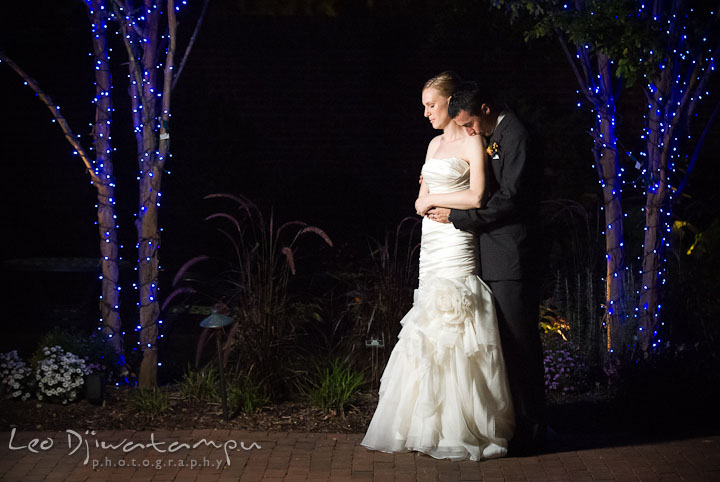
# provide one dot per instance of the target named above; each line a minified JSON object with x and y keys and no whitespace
{"x":422,"y":205}
{"x":439,"y":215}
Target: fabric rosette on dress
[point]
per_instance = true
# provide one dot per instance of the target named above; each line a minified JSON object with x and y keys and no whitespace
{"x":449,"y":307}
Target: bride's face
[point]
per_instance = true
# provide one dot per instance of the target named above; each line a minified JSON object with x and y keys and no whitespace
{"x":436,"y":108}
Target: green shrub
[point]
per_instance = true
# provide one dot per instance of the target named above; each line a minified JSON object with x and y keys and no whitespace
{"x":150,"y":402}
{"x":246,"y":395}
{"x":243,"y":393}
{"x":200,"y":384}
{"x":333,"y":387}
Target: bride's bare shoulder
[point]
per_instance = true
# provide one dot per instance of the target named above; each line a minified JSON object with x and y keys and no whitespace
{"x":473,"y":147}
{"x":474,"y":142}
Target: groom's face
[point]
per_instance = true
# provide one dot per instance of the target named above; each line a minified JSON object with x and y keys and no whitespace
{"x":482,"y":124}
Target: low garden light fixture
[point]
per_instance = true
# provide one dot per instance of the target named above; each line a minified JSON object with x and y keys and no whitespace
{"x":217,"y":322}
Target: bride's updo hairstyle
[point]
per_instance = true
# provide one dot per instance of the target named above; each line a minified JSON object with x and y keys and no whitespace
{"x":445,"y":82}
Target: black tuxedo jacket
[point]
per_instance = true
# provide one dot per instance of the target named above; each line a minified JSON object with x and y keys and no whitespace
{"x":504,"y":223}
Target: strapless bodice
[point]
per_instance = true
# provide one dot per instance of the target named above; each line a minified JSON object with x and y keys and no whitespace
{"x":450,"y":174}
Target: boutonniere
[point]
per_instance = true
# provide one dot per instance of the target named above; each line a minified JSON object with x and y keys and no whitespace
{"x":493,"y":150}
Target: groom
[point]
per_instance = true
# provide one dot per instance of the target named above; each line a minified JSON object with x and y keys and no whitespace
{"x":507,"y":258}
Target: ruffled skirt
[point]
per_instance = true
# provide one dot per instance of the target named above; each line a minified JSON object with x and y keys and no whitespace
{"x":444,"y":391}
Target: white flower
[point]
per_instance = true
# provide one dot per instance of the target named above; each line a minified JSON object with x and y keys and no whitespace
{"x":14,"y":374}
{"x":60,"y":374}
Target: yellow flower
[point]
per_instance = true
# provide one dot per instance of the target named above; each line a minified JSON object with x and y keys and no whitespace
{"x":493,"y":149}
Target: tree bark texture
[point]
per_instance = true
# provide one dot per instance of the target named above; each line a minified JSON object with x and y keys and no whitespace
{"x":107,"y":228}
{"x":670,"y":103}
{"x":606,"y":158}
{"x":151,"y":118}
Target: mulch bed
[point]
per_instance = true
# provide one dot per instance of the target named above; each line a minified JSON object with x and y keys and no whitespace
{"x":118,"y":413}
{"x":591,"y":412}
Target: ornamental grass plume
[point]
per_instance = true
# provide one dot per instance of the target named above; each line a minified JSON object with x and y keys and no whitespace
{"x":249,"y":282}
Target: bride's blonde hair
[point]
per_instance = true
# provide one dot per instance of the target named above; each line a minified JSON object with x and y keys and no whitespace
{"x":445,"y":82}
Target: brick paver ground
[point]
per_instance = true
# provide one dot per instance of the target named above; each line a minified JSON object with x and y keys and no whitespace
{"x":222,"y":455}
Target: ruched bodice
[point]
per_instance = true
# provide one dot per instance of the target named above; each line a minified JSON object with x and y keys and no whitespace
{"x":446,"y":251}
{"x":446,"y":175}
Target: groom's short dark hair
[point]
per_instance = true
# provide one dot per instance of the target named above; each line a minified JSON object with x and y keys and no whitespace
{"x":470,"y":97}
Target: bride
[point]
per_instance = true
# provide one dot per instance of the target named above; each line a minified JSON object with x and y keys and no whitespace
{"x":444,"y":391}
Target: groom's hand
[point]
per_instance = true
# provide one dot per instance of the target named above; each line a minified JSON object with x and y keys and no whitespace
{"x":440,"y":215}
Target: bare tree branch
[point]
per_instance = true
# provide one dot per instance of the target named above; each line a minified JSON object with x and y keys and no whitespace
{"x":581,"y":82}
{"x":55,"y":110}
{"x":191,"y":43}
{"x":696,"y":152}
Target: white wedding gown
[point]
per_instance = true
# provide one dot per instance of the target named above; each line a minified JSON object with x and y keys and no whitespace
{"x":444,"y":391}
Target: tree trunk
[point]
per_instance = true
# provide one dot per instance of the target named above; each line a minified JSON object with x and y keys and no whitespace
{"x":148,"y":244}
{"x":660,"y":131}
{"x":657,"y":210}
{"x":148,"y":240}
{"x":155,"y":148}
{"x":606,"y":159}
{"x":110,"y":299}
{"x":598,"y":89}
{"x":653,"y":249}
{"x":675,"y":94}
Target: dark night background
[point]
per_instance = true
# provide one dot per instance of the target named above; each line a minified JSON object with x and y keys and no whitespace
{"x":317,"y":117}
